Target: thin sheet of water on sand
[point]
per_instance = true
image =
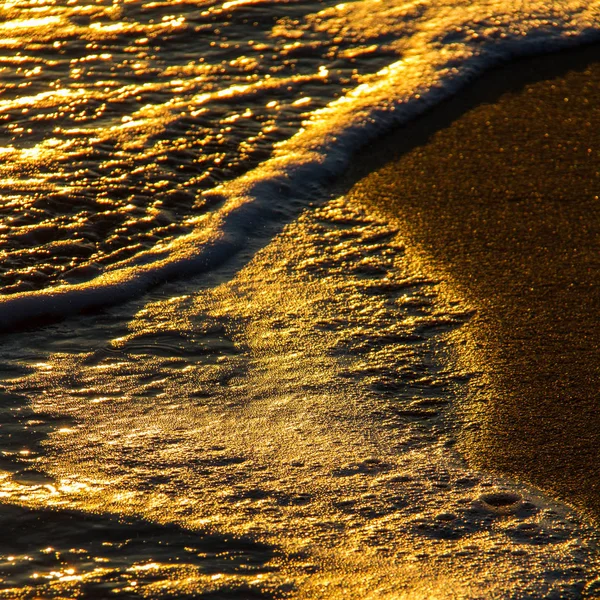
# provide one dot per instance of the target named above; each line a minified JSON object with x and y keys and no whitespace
{"x":297,"y":414}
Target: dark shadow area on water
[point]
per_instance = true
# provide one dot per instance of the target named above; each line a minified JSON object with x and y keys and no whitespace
{"x":118,"y":556}
{"x":105,"y":555}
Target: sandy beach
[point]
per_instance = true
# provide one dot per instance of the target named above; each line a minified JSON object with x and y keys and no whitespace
{"x":498,"y":192}
{"x":232,"y":371}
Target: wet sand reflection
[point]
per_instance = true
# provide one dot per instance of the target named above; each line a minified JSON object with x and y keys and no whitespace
{"x":500,"y":195}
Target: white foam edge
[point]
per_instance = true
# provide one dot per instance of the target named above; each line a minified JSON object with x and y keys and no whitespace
{"x":299,"y":169}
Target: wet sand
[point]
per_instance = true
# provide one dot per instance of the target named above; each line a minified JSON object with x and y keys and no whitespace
{"x":498,"y":192}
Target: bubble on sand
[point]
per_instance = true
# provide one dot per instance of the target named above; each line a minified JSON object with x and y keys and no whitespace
{"x":502,"y":503}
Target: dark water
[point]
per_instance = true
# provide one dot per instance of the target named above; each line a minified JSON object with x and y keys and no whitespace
{"x":115,"y":117}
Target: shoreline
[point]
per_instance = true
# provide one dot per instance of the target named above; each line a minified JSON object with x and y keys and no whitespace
{"x":497,"y":191}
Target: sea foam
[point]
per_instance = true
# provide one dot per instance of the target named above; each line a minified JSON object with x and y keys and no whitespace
{"x":435,"y":50}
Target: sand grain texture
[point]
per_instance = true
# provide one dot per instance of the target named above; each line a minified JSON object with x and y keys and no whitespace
{"x":499,"y":191}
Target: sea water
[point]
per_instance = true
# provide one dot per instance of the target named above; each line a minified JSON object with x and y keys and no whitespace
{"x":261,"y":395}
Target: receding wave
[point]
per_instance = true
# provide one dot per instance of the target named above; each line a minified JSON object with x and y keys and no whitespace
{"x":418,"y":53}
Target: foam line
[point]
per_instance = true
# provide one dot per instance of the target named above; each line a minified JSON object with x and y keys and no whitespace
{"x":301,"y":166}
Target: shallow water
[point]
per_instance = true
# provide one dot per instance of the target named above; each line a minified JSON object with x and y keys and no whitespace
{"x":286,"y":429}
{"x":119,"y":119}
{"x":279,"y":418}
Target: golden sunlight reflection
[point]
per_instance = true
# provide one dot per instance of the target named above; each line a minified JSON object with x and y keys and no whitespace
{"x":259,"y":421}
{"x":276,"y":417}
{"x":30,"y":23}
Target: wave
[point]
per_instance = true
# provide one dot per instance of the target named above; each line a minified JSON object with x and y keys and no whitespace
{"x":448,"y":47}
